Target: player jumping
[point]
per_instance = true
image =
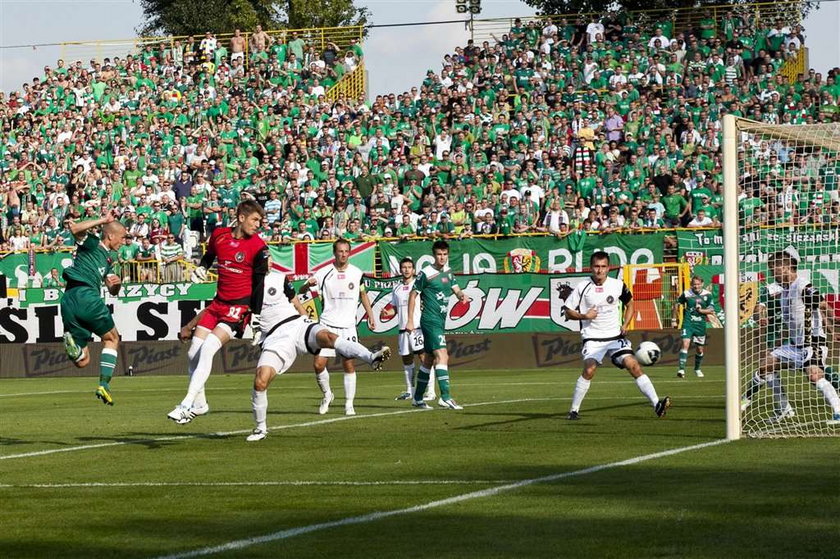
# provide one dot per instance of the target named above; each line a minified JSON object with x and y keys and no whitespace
{"x":410,"y":343}
{"x":82,"y":309}
{"x":597,"y":304}
{"x":434,"y":285}
{"x":288,"y":333}
{"x":698,"y":306}
{"x":243,"y":263}
{"x":803,"y":311}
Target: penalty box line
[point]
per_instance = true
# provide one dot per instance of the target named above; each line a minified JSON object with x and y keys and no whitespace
{"x":373,"y":517}
{"x":289,"y":483}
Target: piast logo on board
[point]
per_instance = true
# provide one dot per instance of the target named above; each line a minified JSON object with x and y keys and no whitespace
{"x":240,"y":357}
{"x":152,"y":357}
{"x":41,"y":360}
{"x":461,"y":352}
{"x":550,"y":351}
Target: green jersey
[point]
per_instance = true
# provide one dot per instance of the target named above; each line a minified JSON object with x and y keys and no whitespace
{"x":694,"y":303}
{"x":91,"y":264}
{"x":435,"y":287}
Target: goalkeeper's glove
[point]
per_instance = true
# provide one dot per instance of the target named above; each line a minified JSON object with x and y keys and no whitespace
{"x":256,"y":330}
{"x":199,"y":275}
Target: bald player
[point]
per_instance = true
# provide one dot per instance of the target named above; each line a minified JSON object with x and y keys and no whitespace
{"x":83,"y":311}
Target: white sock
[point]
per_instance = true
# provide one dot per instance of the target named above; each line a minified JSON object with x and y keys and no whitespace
{"x":259,"y":401}
{"x":323,"y":379}
{"x":581,"y":388}
{"x":211,"y":345}
{"x":774,"y":383}
{"x":409,"y":377}
{"x":646,"y":388}
{"x":353,"y":350}
{"x":829,"y":393}
{"x":431,"y":388}
{"x":192,"y":362}
{"x":349,"y":388}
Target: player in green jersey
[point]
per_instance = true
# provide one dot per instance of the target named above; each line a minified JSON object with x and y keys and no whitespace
{"x":698,"y":305}
{"x":434,"y":285}
{"x":83,"y":312}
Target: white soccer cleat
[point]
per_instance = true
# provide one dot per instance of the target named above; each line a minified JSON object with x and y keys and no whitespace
{"x":203,"y":410}
{"x":698,"y":373}
{"x":780,"y":416}
{"x":429,"y":396}
{"x":257,"y":435}
{"x":180,"y":415}
{"x":745,"y":403}
{"x":325,"y":403}
{"x":449,"y":404}
{"x":404,"y":396}
{"x":421,"y":405}
{"x":835,"y":420}
{"x":349,"y":410}
{"x":380,"y":357}
{"x":681,"y":374}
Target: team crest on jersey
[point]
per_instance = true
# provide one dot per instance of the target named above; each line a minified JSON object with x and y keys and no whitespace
{"x":272,"y":291}
{"x":444,"y":280}
{"x":610,"y":299}
{"x":351,"y":285}
{"x":239,"y":257}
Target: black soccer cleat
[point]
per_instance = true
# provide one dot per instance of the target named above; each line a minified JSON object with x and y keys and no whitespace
{"x":573,"y":416}
{"x":662,"y":406}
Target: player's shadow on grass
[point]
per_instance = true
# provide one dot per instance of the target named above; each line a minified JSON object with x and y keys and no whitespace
{"x":154,"y":441}
{"x":6,"y":441}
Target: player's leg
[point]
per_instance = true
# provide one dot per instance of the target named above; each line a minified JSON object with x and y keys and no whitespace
{"x":700,"y":351}
{"x":428,"y":362}
{"x":322,"y":377}
{"x":408,"y":371}
{"x":814,"y":369}
{"x":259,"y":396}
{"x":349,"y":386}
{"x":685,"y":341}
{"x":442,"y":374}
{"x":768,"y":373}
{"x":590,"y":367}
{"x":324,"y":339}
{"x":107,"y":364}
{"x":200,"y":406}
{"x":214,"y":341}
{"x":96,"y":317}
{"x":623,"y":358}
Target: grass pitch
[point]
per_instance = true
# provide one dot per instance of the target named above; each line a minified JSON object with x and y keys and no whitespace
{"x":78,"y":479}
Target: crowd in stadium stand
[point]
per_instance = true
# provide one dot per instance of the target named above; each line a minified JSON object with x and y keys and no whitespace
{"x":558,"y":125}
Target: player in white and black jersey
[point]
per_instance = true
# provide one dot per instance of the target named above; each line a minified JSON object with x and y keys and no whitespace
{"x":410,"y":342}
{"x":287,"y":333}
{"x":340,"y":287}
{"x":805,"y":313}
{"x":598,"y":303}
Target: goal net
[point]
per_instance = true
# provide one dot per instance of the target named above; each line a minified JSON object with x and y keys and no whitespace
{"x":782,"y":266}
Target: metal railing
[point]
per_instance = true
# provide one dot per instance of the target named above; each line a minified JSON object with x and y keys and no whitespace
{"x":795,"y":67}
{"x":352,"y":85}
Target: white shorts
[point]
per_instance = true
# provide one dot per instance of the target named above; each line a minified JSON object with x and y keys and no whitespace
{"x":411,"y":342}
{"x":798,"y":357}
{"x":346,"y":333}
{"x":616,"y":350}
{"x":235,"y":55}
{"x":281,"y":348}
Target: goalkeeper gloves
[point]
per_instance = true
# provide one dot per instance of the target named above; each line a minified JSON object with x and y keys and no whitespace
{"x":256,"y":330}
{"x":199,"y":275}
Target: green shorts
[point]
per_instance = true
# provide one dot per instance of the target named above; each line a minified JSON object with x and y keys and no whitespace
{"x":433,"y":337}
{"x":84,"y":312}
{"x":696,"y":335}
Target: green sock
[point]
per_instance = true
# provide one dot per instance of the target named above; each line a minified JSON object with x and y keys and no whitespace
{"x":422,"y":383}
{"x":698,"y":359}
{"x":683,"y":359}
{"x":442,"y":373}
{"x":107,"y":363}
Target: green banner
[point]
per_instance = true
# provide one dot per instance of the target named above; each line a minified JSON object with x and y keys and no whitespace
{"x":129,"y":293}
{"x":16,"y":265}
{"x":528,"y":254}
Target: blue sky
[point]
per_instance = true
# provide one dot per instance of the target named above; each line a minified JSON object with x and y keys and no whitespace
{"x":397,"y":58}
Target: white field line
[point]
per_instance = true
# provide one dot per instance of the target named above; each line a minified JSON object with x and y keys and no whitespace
{"x":189,"y":436}
{"x":292,"y":483}
{"x":375,"y":516}
{"x":232,"y":388}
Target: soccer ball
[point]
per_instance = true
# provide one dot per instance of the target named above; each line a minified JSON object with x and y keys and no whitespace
{"x":648,"y":353}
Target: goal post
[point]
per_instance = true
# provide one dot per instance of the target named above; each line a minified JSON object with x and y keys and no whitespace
{"x":781,"y":196}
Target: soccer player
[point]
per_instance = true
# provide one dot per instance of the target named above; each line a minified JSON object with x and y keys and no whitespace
{"x":410,"y":343}
{"x":82,"y":309}
{"x":243,"y":263}
{"x":804,"y":312}
{"x":434,"y":285}
{"x":340,"y":287}
{"x":288,"y":333}
{"x":698,"y":305}
{"x":597,"y":304}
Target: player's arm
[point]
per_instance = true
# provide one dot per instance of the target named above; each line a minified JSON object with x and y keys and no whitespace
{"x":675,"y":314}
{"x":626,"y":299}
{"x":290,"y":293}
{"x":186,"y":332}
{"x":412,"y":302}
{"x":199,"y":275}
{"x":459,"y":293}
{"x":260,"y":269}
{"x":572,"y":306}
{"x":80,"y":228}
{"x":363,"y":297}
